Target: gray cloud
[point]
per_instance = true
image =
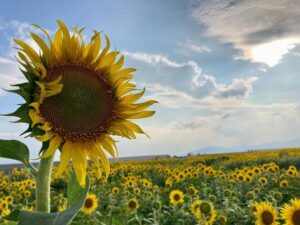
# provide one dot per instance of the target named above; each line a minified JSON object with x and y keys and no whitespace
{"x":184,"y":82}
{"x":239,"y":88}
{"x":249,"y":23}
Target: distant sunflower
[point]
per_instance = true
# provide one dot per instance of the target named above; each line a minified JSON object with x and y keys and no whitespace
{"x":137,"y":191}
{"x":192,"y":190}
{"x":115,"y":190}
{"x":208,"y":211}
{"x":265,"y":214}
{"x":90,"y":204}
{"x":176,"y":197}
{"x":133,"y":204}
{"x":283,"y":183}
{"x":291,"y":212}
{"x":77,"y":95}
{"x":263,"y":181}
{"x":195,"y":207}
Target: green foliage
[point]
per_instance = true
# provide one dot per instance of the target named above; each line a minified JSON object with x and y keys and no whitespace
{"x":76,"y":199}
{"x":13,"y":149}
{"x":9,"y":223}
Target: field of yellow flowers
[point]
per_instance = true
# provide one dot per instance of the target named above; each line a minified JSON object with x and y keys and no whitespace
{"x":239,"y":189}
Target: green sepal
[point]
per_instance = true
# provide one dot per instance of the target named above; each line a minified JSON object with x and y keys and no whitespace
{"x":36,"y":131}
{"x":28,"y":130}
{"x":44,"y":147}
{"x":76,"y":199}
{"x":21,"y":92}
{"x":30,"y":77}
{"x":13,"y":149}
{"x":23,"y":113}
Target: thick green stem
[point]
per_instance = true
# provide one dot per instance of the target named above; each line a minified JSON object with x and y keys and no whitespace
{"x":43,"y":180}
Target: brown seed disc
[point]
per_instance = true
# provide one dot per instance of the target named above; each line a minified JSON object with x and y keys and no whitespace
{"x":85,"y":106}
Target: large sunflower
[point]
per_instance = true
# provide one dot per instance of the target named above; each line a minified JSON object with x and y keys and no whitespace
{"x":291,"y":213}
{"x":265,"y":214}
{"x":77,"y":95}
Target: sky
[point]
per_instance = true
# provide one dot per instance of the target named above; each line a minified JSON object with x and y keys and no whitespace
{"x":225,"y":73}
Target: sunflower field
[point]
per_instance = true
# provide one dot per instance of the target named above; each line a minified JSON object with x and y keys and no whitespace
{"x":242,"y":189}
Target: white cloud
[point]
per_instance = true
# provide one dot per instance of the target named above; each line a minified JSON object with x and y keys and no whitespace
{"x":9,"y":74}
{"x":187,"y":47}
{"x":239,"y":88}
{"x":184,"y":77}
{"x":157,"y":68}
{"x":264,"y":30}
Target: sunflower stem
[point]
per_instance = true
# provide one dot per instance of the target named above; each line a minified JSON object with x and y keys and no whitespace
{"x":43,"y":180}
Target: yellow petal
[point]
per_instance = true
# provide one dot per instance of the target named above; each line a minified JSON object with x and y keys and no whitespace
{"x":53,"y":146}
{"x":107,"y":60}
{"x":92,"y":154}
{"x":133,"y":97}
{"x":117,"y":66}
{"x":79,"y":162}
{"x":28,"y":50}
{"x":45,"y":127}
{"x":53,"y":50}
{"x":28,"y":64}
{"x":53,"y":83}
{"x":139,"y":115}
{"x":65,"y":157}
{"x":35,"y":105}
{"x":42,"y":91}
{"x":54,"y":91}
{"x":103,"y":159}
{"x":35,"y":117}
{"x":133,"y":127}
{"x":64,"y":29}
{"x":108,"y":147}
{"x":43,"y":46}
{"x":46,"y":137}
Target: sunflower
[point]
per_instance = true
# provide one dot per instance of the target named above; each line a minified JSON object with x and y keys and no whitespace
{"x":265,"y":214}
{"x":263,"y":181}
{"x":192,"y":190}
{"x":291,"y":212}
{"x":90,"y":204}
{"x":283,"y":183}
{"x":137,"y":191}
{"x":133,"y":204}
{"x":176,"y":197}
{"x":206,"y":214}
{"x":195,"y":207}
{"x":77,"y":95}
{"x":115,"y":190}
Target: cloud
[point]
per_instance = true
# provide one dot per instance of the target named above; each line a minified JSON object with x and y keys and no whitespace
{"x":9,"y":74}
{"x":254,"y":27}
{"x":166,"y":71}
{"x":239,"y":88}
{"x":19,"y":30}
{"x":189,"y":47}
{"x":184,"y":85}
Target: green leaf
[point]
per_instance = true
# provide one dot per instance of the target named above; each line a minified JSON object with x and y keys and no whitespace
{"x":9,"y":223}
{"x":76,"y":199}
{"x":13,"y":149}
{"x":23,"y":113}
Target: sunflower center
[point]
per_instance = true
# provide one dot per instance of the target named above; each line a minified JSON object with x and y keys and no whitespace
{"x":296,"y":217}
{"x":267,"y":217}
{"x":84,"y":107}
{"x":88,"y":203}
{"x":176,"y":197}
{"x":132,"y":204}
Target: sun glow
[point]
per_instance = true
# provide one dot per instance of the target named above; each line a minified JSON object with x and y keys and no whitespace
{"x":272,"y":52}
